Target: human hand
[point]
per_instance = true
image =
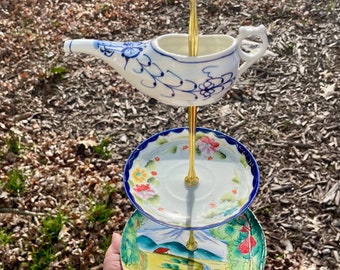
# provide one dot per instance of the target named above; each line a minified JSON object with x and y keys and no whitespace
{"x":112,"y":256}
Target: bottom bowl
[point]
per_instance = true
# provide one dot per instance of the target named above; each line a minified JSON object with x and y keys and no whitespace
{"x":238,"y":245}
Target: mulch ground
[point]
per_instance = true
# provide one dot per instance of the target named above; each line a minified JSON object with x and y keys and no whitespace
{"x":285,"y":110}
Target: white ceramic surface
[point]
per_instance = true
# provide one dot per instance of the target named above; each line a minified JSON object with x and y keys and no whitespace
{"x":154,"y":179}
{"x":162,"y":69}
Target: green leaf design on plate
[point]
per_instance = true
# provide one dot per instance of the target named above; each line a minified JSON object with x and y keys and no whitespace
{"x":175,"y":260}
{"x":139,"y":200}
{"x":236,"y":178}
{"x":242,"y":201}
{"x":131,"y":183}
{"x":198,"y":151}
{"x":151,"y":165}
{"x":199,"y":135}
{"x":220,"y":155}
{"x":210,"y":214}
{"x":173,"y":149}
{"x":169,"y":266}
{"x":161,"y":141}
{"x":228,"y":197}
{"x":153,"y":181}
{"x":154,"y":200}
{"x":244,"y":161}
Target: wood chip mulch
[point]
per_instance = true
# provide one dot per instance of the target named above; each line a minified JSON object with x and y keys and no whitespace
{"x":285,"y":110}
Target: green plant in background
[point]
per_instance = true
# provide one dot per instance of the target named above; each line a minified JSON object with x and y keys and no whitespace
{"x":13,"y":144}
{"x":105,"y":242}
{"x":45,"y":254}
{"x":55,"y":23}
{"x":265,"y":210}
{"x":331,"y":6}
{"x":108,"y":189}
{"x":102,"y":148}
{"x":16,"y":182}
{"x":59,"y":72}
{"x":290,"y":46}
{"x":42,"y":257}
{"x":52,"y":225}
{"x":5,"y":237}
{"x":99,"y":212}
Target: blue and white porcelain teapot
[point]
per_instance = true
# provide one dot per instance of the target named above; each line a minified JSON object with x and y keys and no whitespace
{"x":162,"y":69}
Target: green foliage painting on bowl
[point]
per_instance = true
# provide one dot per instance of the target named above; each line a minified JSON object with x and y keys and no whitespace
{"x":237,"y":245}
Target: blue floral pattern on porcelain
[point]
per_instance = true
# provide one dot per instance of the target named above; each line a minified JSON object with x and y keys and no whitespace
{"x":162,"y":69}
{"x":231,"y":174}
{"x":213,"y":84}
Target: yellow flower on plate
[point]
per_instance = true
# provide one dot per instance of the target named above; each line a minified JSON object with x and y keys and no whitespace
{"x":139,"y":175}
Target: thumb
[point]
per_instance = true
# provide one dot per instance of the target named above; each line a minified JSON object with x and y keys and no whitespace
{"x":112,"y":256}
{"x":115,"y":243}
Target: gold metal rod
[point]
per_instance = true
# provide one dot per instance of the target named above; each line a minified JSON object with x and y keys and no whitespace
{"x":192,"y":180}
{"x":193,"y":29}
{"x":191,"y":244}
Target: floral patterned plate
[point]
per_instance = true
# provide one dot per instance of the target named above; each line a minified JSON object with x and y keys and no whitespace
{"x":155,"y":171}
{"x":238,"y":245}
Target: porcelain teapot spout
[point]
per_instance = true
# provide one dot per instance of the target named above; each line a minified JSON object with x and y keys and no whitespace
{"x":162,"y":69}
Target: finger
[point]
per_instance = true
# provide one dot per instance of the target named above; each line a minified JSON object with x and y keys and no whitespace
{"x":112,"y":256}
{"x":115,"y":243}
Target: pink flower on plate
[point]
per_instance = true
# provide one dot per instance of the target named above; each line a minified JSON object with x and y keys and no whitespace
{"x":144,"y":191}
{"x":207,"y":146}
{"x":212,"y":205}
{"x":247,"y":244}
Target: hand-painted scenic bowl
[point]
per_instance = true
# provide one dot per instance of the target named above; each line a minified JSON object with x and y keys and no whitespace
{"x":155,"y":171}
{"x":237,"y":245}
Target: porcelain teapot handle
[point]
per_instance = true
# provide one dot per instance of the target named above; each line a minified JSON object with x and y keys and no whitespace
{"x":250,"y":58}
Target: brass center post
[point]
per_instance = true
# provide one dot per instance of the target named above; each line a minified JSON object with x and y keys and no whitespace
{"x":192,"y":180}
